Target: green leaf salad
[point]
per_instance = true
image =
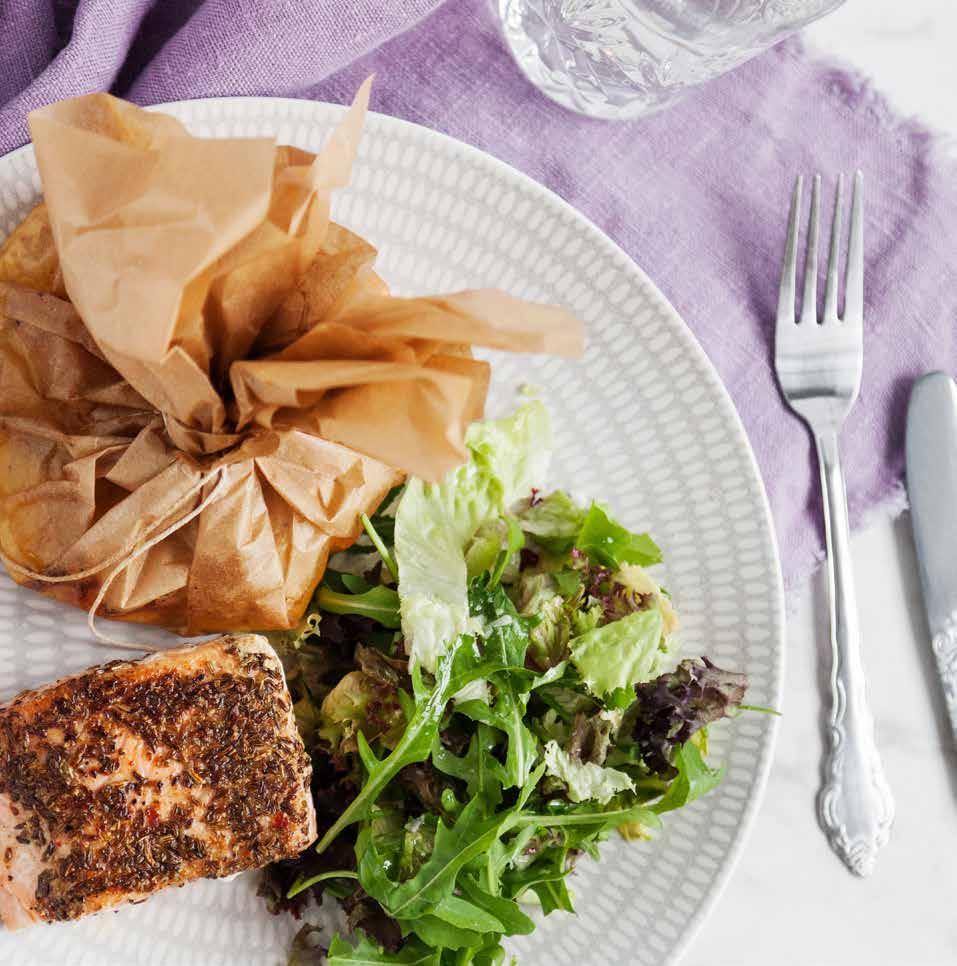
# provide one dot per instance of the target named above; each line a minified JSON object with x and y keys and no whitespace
{"x":488,"y":686}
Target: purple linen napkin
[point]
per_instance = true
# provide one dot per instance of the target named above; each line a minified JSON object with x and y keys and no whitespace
{"x":697,"y":195}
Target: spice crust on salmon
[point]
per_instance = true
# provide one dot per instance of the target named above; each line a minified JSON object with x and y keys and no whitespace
{"x":135,"y":776}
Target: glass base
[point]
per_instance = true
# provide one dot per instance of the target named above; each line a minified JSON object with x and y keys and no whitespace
{"x":571,"y":66}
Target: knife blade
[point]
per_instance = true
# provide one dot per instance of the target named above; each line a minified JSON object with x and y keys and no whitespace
{"x":932,"y":489}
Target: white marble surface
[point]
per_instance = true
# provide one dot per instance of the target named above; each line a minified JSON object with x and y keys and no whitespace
{"x":790,"y":902}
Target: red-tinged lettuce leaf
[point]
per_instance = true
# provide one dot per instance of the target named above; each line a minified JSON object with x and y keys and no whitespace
{"x":674,"y":706}
{"x":308,"y":948}
{"x":590,"y":738}
{"x":363,"y":912}
{"x":360,"y":703}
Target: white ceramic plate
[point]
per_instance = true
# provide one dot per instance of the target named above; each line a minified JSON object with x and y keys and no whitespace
{"x":643,"y":422}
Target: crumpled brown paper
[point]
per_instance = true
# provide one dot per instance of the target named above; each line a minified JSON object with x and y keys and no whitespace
{"x":203,"y":382}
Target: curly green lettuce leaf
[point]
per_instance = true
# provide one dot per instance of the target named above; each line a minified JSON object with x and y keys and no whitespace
{"x":435,"y":524}
{"x":483,"y":549}
{"x":494,"y":549}
{"x":553,"y":521}
{"x":548,"y":640}
{"x":587,"y":618}
{"x":621,"y":654}
{"x":536,"y":596}
{"x":586,"y":781}
{"x":295,"y":637}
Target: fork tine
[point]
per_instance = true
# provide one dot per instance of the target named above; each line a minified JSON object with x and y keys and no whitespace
{"x":854,"y":284}
{"x":809,"y":298}
{"x":789,"y":267}
{"x":833,"y":257}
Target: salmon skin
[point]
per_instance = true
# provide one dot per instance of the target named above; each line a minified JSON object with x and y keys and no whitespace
{"x":135,"y":776}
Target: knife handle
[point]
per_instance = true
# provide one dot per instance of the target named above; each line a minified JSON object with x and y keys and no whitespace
{"x":945,"y":650}
{"x":855,"y":806}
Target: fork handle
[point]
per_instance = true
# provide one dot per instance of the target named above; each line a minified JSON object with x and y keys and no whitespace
{"x":855,"y":806}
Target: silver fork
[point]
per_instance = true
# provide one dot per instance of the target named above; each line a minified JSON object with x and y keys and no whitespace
{"x":818,"y":363}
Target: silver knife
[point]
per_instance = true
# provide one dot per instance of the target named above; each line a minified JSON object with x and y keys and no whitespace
{"x":932,"y":488}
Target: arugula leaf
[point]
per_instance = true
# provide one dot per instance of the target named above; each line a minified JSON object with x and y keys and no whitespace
{"x":568,"y":699}
{"x":507,"y":715}
{"x":472,"y":834}
{"x":506,"y":640}
{"x":609,"y":543}
{"x":354,"y":583}
{"x":694,"y":779}
{"x":591,"y":816}
{"x":482,"y":772}
{"x":378,"y":541}
{"x":300,"y":885}
{"x":436,"y":932}
{"x":467,"y":915}
{"x":366,"y":953}
{"x":491,"y":954}
{"x":418,"y":838}
{"x":546,"y":878}
{"x":455,"y":924}
{"x":513,"y":922}
{"x":460,"y":665}
{"x":621,"y":654}
{"x":379,"y":603}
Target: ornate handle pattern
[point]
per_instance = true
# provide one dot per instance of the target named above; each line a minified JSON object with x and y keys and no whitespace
{"x":945,"y":650}
{"x":855,"y":804}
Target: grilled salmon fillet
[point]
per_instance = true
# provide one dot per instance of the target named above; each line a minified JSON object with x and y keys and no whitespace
{"x":134,"y":776}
